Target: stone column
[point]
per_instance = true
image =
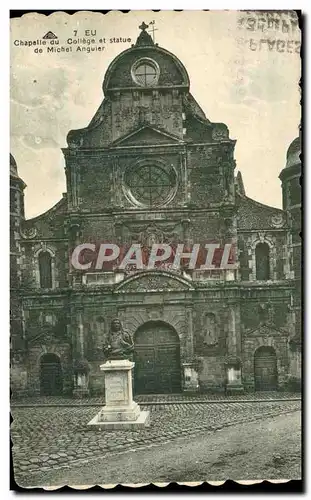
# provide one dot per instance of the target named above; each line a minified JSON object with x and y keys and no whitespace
{"x":190,"y":374}
{"x":80,"y":334}
{"x":233,"y":361}
{"x":184,"y":175}
{"x":294,"y":382}
{"x":232,"y":340}
{"x":81,"y":376}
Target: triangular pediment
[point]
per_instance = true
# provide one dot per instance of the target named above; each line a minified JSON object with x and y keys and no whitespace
{"x":45,"y":336}
{"x":147,"y":135}
{"x":266,"y":330}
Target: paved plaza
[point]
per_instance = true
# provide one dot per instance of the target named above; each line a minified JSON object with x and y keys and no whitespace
{"x":268,"y":448}
{"x":47,"y":438}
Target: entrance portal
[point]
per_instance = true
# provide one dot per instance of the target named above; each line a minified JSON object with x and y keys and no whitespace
{"x":51,"y":377}
{"x":265,"y":368}
{"x":157,"y":359}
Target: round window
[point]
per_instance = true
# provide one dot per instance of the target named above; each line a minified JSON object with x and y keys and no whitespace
{"x":145,"y":72}
{"x":150,"y":185}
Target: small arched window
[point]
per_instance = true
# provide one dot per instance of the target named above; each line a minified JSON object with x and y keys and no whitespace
{"x":262,"y":255}
{"x":45,"y":269}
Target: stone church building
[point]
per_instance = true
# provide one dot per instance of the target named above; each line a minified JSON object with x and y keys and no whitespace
{"x":151,"y":167}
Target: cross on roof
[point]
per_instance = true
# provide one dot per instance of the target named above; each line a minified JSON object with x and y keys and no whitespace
{"x":143,"y":26}
{"x":153,"y":29}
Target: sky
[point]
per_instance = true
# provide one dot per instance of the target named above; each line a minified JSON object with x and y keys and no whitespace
{"x":244,"y":71}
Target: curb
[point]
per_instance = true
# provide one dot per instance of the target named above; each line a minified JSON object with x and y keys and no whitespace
{"x":155,"y":403}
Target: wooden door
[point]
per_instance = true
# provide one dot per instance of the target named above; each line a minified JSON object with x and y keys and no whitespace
{"x":51,"y":378}
{"x":157,"y":359}
{"x":265,"y":368}
{"x":145,"y":373}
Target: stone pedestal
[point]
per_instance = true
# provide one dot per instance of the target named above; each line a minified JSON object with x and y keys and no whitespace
{"x":234,"y":383}
{"x":81,"y":386}
{"x":120,"y":411}
{"x":190,"y":379}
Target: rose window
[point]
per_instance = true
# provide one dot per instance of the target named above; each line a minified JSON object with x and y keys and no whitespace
{"x":150,"y":185}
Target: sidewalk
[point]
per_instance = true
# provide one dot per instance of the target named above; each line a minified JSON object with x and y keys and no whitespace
{"x":160,"y":399}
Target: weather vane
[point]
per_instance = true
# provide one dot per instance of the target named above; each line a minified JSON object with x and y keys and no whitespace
{"x":152,"y":30}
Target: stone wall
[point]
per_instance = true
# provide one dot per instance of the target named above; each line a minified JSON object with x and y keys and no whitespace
{"x":63,"y":351}
{"x":18,"y":379}
{"x":210,"y":174}
{"x":212,"y":375}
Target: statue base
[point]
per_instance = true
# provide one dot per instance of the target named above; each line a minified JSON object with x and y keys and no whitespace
{"x":120,"y":411}
{"x":232,"y":389}
{"x":234,"y":384}
{"x":80,"y":392}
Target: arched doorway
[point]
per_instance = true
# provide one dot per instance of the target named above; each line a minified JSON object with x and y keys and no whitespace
{"x":265,"y":369}
{"x":157,"y":359}
{"x":51,"y":376}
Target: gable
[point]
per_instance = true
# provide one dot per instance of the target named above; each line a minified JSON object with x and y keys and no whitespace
{"x":267,"y":330}
{"x":254,"y":215}
{"x":47,"y":225}
{"x":147,"y":136}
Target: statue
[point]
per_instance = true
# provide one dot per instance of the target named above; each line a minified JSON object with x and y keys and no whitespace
{"x":119,"y":343}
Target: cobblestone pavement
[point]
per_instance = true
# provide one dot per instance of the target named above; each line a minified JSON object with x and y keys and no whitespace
{"x":268,"y":448}
{"x":158,"y":398}
{"x":46,"y":438}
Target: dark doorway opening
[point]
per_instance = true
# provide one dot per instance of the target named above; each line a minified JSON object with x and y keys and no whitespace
{"x":51,"y":376}
{"x":265,"y":369}
{"x":157,"y":359}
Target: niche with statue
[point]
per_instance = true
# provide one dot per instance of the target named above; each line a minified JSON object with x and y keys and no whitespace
{"x":208,"y":336}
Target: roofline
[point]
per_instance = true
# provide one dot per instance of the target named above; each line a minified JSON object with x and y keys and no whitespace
{"x":254,"y":202}
{"x":50,"y":210}
{"x":142,"y":48}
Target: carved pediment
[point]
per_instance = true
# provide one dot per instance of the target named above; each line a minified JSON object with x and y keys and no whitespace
{"x":148,"y":233}
{"x":46,"y":336}
{"x":152,"y":281}
{"x":147,"y":135}
{"x":267,"y":330}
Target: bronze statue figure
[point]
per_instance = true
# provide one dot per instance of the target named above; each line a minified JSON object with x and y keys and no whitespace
{"x":119,"y":344}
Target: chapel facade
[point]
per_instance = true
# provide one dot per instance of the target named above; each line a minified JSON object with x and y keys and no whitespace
{"x":151,"y":167}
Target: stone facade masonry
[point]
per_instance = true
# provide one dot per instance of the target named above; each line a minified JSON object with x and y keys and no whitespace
{"x":219,"y":320}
